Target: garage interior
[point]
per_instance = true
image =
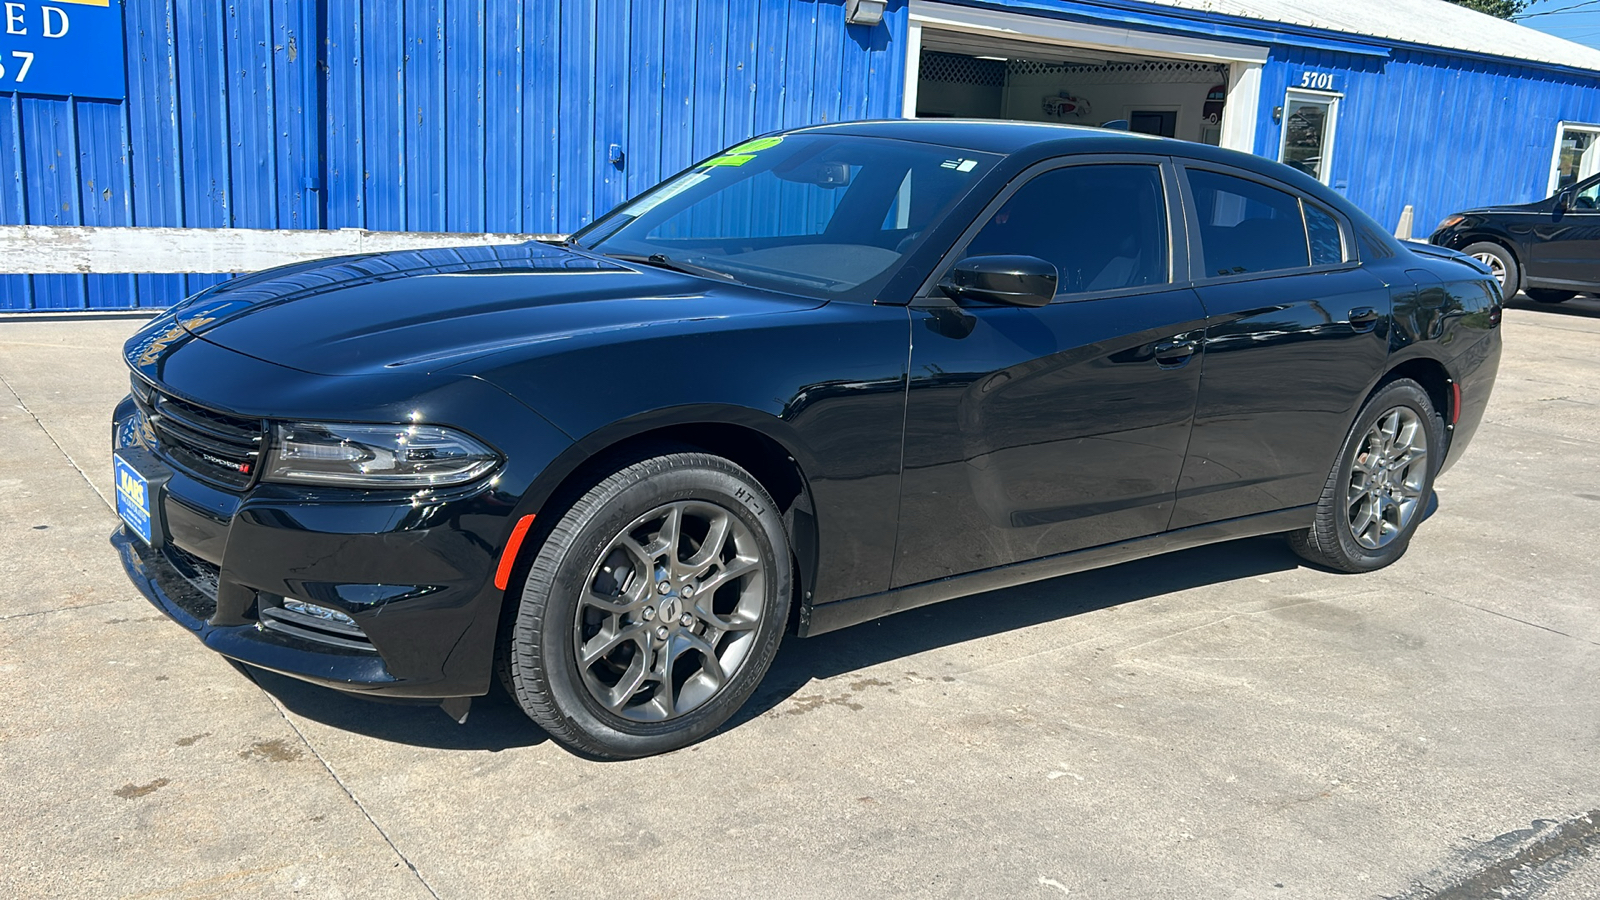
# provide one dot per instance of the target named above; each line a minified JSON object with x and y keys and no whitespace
{"x":962,"y":77}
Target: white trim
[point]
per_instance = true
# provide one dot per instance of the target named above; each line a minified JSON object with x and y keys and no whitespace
{"x":1244,"y":82}
{"x":908,"y":107}
{"x":1044,"y":30}
{"x":1330,"y":130}
{"x":86,"y":250}
{"x":1555,"y":154}
{"x":1243,"y":109}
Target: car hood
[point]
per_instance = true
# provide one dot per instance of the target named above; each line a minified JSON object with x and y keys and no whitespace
{"x":433,"y":309}
{"x":1505,"y":208}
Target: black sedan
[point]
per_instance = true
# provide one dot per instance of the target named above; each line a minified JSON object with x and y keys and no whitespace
{"x":824,"y":376}
{"x":1550,"y":249}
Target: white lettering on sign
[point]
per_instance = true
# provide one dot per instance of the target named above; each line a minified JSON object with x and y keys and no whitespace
{"x":60,"y":16}
{"x":27,"y":63}
{"x":1319,"y":81}
{"x":14,"y":23}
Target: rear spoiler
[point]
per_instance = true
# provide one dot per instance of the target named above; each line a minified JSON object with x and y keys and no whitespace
{"x":1437,"y":252}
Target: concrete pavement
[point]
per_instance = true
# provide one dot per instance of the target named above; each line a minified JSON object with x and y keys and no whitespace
{"x":1221,"y":722}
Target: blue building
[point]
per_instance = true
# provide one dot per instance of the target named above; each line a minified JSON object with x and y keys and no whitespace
{"x":535,"y":116}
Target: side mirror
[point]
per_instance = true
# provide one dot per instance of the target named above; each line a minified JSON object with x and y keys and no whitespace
{"x":1563,"y":203}
{"x":1012,"y":280}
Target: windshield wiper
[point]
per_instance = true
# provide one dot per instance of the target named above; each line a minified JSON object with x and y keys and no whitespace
{"x":662,"y":261}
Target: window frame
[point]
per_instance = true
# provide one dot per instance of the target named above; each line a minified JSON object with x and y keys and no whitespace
{"x":1555,"y":153}
{"x":1177,"y":223}
{"x":1199,"y":276}
{"x":1332,"y":99}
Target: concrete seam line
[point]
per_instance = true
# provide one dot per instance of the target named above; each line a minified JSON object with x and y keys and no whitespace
{"x":23,"y":404}
{"x":1492,"y":612}
{"x":40,"y":612}
{"x":344,"y":787}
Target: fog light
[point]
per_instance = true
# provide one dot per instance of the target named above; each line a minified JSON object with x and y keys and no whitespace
{"x":320,"y":612}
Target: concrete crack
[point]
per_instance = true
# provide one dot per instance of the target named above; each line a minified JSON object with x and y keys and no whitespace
{"x":346,"y":788}
{"x":23,"y":405}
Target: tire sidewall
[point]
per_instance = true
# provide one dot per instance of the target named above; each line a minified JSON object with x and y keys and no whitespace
{"x":572,"y":561}
{"x":1398,"y":393}
{"x":1507,"y":258}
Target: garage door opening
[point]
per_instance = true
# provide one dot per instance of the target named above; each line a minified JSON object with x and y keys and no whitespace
{"x":1172,"y":98}
{"x":971,"y":62}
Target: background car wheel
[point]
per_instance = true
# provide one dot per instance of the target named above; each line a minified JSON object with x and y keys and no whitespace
{"x":1500,"y":262}
{"x":1380,"y":485}
{"x":653,"y":608}
{"x":1545,"y":295}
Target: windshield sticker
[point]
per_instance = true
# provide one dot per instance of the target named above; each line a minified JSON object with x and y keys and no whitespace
{"x":960,"y":165}
{"x":755,"y":146}
{"x":730,"y":160}
{"x":645,"y":204}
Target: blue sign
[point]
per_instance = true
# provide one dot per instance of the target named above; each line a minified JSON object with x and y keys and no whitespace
{"x":133,"y":498}
{"x":62,"y":48}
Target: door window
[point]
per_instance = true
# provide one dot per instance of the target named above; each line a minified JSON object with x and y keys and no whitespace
{"x":1104,"y":227}
{"x":1587,"y":199}
{"x":1249,"y":227}
{"x":1308,"y":123}
{"x":1577,"y":154}
{"x":1322,"y":233}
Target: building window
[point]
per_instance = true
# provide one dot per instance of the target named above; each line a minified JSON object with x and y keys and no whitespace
{"x":1577,"y":154}
{"x":1309,"y":118}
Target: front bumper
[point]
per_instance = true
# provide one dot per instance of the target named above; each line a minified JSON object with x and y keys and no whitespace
{"x":411,"y":575}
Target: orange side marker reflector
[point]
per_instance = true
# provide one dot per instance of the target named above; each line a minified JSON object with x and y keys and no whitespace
{"x":508,"y":557}
{"x":1455,"y":402}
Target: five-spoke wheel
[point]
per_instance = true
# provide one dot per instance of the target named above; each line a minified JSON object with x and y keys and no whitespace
{"x":652,"y":609}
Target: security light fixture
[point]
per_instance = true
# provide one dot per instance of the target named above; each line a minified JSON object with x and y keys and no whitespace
{"x":864,"y":12}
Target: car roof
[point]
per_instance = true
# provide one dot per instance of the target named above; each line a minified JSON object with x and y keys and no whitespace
{"x":1027,"y":142}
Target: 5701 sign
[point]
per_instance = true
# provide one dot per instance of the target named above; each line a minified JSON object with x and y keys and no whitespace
{"x":62,"y":48}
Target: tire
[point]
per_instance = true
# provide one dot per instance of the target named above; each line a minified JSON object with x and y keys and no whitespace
{"x":1345,"y":536}
{"x":666,"y":665}
{"x":1546,"y":295}
{"x":1501,"y":261}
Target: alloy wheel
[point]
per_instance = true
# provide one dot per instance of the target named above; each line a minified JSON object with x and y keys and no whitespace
{"x":1497,"y":266}
{"x":1387,"y":477}
{"x":670,"y":611}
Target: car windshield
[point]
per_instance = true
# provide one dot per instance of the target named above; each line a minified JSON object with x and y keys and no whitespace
{"x":823,"y":215}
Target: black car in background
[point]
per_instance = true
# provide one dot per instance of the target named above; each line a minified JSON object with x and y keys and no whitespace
{"x":824,"y":376}
{"x":1550,"y":249}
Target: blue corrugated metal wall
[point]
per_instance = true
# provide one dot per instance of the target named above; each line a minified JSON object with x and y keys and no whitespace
{"x":1440,"y":133}
{"x":419,"y":115}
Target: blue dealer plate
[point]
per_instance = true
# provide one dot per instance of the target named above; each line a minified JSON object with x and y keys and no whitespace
{"x":133,"y":498}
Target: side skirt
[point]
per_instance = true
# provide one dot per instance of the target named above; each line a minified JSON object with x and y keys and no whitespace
{"x":844,"y":613}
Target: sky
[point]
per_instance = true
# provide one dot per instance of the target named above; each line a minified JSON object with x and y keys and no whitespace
{"x":1582,"y":24}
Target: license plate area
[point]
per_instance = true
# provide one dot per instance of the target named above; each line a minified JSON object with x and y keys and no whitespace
{"x":140,"y":481}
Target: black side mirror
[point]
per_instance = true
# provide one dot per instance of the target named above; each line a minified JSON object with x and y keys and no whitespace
{"x":1012,"y":280}
{"x":1563,"y":203}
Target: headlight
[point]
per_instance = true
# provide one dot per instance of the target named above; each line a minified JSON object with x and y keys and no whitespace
{"x":1452,"y":220}
{"x":375,"y":456}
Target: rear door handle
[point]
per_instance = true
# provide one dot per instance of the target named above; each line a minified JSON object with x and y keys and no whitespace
{"x":1173,"y":354}
{"x":1363,"y":318}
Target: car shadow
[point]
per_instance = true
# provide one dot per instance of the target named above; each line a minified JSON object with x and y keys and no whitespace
{"x":494,"y":724}
{"x":982,"y":615}
{"x":1584,"y":306}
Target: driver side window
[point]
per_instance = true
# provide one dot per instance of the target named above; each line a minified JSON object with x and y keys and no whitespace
{"x":1104,"y":227}
{"x":1588,"y":199}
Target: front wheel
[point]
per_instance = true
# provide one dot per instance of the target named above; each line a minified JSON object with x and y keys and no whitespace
{"x":1500,"y":262}
{"x":652,"y":610}
{"x":1546,"y":295}
{"x":1380,"y":485}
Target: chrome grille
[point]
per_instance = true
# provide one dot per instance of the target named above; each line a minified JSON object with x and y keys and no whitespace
{"x":212,"y":445}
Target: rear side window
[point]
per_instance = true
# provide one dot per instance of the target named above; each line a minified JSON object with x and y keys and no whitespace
{"x":1104,"y":227}
{"x":1246,"y":226}
{"x":1327,"y":244}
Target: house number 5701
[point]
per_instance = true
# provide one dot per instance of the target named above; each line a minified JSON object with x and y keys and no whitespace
{"x":1322,"y":81}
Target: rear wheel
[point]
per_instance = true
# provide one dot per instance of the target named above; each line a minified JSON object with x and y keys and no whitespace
{"x":1546,"y":295}
{"x":1380,"y":485}
{"x":1501,"y":262}
{"x":653,"y":609}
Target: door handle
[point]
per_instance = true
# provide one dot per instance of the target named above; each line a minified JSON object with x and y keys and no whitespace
{"x":1173,"y":354}
{"x":1363,"y":318}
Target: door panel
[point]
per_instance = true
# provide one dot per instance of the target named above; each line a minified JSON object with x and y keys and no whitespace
{"x":1031,"y":432}
{"x":1286,"y":369}
{"x":1568,"y":250}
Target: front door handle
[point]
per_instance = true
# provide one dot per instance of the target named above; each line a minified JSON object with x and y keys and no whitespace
{"x":1363,"y":318}
{"x":1174,"y":354}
